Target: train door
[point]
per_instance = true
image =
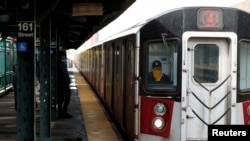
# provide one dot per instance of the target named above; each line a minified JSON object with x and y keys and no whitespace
{"x":118,"y":81}
{"x":95,"y":68}
{"x":109,"y":76}
{"x":129,"y":89}
{"x":91,"y":65}
{"x":101,"y":72}
{"x":209,"y":60}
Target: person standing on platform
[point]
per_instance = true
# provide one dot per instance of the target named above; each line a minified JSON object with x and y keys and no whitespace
{"x":63,"y":89}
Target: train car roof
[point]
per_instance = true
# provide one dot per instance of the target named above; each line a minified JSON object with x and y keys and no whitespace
{"x":142,"y":11}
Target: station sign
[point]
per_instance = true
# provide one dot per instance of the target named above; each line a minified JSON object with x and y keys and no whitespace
{"x":87,"y":9}
{"x":25,"y":36}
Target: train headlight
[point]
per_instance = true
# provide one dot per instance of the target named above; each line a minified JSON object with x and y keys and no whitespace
{"x":160,"y":109}
{"x":158,"y":123}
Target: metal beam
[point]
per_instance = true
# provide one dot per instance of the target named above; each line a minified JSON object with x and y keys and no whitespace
{"x":48,"y":11}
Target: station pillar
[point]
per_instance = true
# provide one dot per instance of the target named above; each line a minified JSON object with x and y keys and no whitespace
{"x":25,"y":75}
{"x":53,"y":64}
{"x":45,"y":71}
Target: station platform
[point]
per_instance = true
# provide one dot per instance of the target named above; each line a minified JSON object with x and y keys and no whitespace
{"x":90,"y":121}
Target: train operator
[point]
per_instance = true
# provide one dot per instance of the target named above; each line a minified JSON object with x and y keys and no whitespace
{"x":156,"y":74}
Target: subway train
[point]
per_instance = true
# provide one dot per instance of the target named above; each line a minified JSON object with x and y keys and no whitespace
{"x":168,"y":75}
{"x":8,"y":59}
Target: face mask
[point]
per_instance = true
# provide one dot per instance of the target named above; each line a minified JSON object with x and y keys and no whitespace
{"x":157,"y":75}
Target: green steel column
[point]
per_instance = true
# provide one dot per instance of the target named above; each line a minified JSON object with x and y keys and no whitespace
{"x":26,"y":124}
{"x":25,"y":73}
{"x":53,"y":85}
{"x":53,"y":45}
{"x":45,"y":101}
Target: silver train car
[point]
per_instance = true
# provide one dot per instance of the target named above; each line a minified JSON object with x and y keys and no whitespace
{"x":201,"y":49}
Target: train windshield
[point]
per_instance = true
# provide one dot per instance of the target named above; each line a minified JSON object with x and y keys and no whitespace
{"x":162,"y":65}
{"x":244,"y":49}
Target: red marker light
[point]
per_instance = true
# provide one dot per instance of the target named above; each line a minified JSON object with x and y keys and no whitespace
{"x":14,"y":39}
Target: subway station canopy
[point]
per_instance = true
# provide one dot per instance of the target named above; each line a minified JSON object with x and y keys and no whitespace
{"x":79,"y":19}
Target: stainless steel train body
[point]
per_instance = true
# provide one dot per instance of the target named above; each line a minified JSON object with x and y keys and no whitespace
{"x":204,"y":51}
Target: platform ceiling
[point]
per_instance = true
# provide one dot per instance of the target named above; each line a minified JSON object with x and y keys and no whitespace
{"x":80,"y":18}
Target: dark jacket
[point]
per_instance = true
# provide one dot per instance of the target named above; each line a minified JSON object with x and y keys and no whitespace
{"x":62,"y":74}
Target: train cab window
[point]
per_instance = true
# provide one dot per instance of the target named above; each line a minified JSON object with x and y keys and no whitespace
{"x":206,"y":63}
{"x":162,"y":65}
{"x":244,"y":63}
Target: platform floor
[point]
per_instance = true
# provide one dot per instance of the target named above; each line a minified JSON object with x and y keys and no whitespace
{"x":99,"y":126}
{"x":90,"y":121}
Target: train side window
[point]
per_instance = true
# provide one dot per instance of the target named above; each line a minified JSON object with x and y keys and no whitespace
{"x":162,"y":65}
{"x":244,"y":63}
{"x":206,"y":63}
